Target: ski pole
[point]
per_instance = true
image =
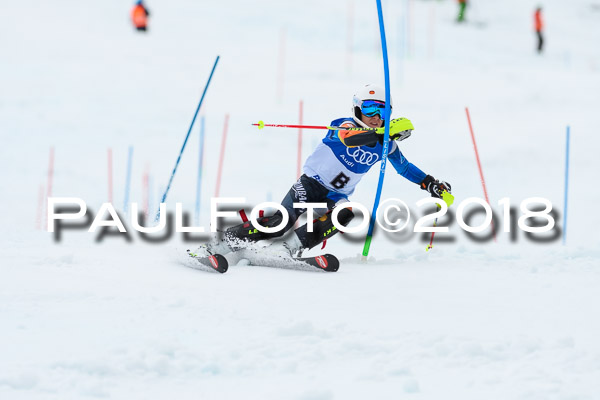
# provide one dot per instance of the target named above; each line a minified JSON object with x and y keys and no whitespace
{"x":430,"y":246}
{"x":261,"y":125}
{"x":448,"y":199}
{"x":398,"y":125}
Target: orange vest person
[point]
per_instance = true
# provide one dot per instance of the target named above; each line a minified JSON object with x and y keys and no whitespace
{"x":139,"y":16}
{"x":539,"y":25}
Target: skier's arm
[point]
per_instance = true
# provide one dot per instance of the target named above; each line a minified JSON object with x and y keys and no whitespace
{"x":356,"y":138}
{"x":404,"y":167}
{"x":411,"y":172}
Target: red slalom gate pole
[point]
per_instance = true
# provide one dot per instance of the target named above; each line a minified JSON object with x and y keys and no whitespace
{"x":222,"y":156}
{"x":299,"y":163}
{"x":479,"y":166}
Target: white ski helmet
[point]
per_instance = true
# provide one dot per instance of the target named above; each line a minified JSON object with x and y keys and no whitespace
{"x":368,"y":92}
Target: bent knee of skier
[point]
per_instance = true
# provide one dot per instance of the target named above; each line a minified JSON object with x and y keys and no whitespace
{"x":345,"y":216}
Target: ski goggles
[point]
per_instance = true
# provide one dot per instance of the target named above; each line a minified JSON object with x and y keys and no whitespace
{"x":371,"y":108}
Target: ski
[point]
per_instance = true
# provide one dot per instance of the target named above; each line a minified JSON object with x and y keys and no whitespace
{"x":217,"y":262}
{"x":326,"y":262}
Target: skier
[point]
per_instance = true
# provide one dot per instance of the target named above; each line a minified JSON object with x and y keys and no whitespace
{"x":539,"y":25}
{"x":331,"y":173}
{"x":139,"y":16}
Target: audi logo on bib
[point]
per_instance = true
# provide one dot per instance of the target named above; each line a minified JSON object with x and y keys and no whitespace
{"x":361,"y":156}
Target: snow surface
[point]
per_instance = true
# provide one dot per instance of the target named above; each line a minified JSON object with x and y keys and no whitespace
{"x":122,"y":320}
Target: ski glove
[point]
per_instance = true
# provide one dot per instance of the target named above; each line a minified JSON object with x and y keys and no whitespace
{"x":435,"y":187}
{"x":400,"y":129}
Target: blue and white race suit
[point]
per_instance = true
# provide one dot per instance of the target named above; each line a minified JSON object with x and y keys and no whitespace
{"x":339,"y":168}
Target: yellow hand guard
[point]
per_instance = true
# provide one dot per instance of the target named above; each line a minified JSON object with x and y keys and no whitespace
{"x":400,"y":129}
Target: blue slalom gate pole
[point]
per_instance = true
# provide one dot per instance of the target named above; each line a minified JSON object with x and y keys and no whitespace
{"x":128,"y":180}
{"x":164,"y":196}
{"x":386,"y":135}
{"x":200,"y":160}
{"x":566,"y":186}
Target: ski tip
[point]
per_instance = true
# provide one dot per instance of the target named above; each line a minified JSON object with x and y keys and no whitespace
{"x":260,"y":124}
{"x":219,"y":263}
{"x":325,"y":262}
{"x":328,"y":262}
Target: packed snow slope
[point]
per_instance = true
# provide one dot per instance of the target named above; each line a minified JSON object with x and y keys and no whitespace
{"x":107,"y":317}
